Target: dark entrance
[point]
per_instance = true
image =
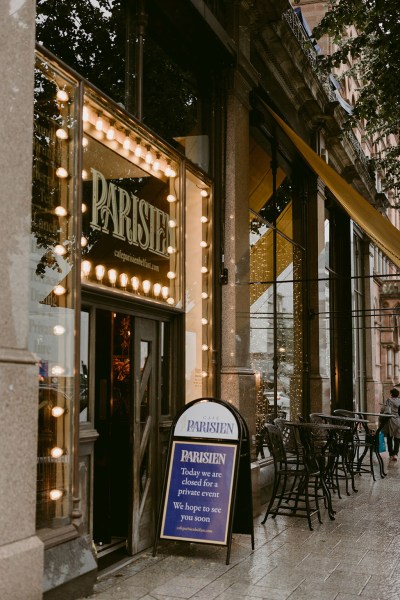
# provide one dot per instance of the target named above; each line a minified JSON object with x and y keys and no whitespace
{"x":127,"y":385}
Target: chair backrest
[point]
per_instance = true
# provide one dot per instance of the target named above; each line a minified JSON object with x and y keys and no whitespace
{"x":290,"y":438}
{"x":340,"y":412}
{"x":275,"y":443}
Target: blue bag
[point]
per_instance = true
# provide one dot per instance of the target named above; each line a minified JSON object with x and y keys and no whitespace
{"x":381,"y":442}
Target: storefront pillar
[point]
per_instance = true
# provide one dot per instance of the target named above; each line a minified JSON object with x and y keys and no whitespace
{"x":21,"y":552}
{"x":237,"y":378}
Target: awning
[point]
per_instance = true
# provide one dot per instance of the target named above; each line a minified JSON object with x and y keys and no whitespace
{"x":378,"y":228}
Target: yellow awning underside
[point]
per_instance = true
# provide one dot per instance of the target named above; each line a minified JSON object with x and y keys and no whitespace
{"x":380,"y":230}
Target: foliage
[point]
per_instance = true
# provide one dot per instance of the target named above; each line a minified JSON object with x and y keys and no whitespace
{"x":372,"y":57}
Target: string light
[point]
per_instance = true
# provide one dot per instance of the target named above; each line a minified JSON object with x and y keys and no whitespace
{"x":84,"y":242}
{"x":203,"y":193}
{"x":62,"y":134}
{"x":149,"y":157}
{"x":61,"y":173}
{"x":112,"y":276}
{"x":172,"y":223}
{"x":204,"y":295}
{"x":85,"y":114}
{"x":56,"y":452}
{"x":138,"y":149}
{"x":127,"y":142}
{"x":156,"y":289}
{"x":99,"y":123}
{"x":204,"y":321}
{"x":57,"y":411}
{"x":86,"y":268}
{"x":59,"y":290}
{"x":60,"y":211}
{"x":203,"y":270}
{"x":62,"y":96}
{"x":100,"y":270}
{"x":171,"y":275}
{"x":135,"y":283}
{"x":171,"y":250}
{"x":203,"y":244}
{"x":123,"y":278}
{"x":110,"y":133}
{"x":55,"y":494}
{"x":164,"y":292}
{"x":171,"y":301}
{"x":85,"y":142}
{"x":204,"y":347}
{"x":156,"y":163}
{"x":171,"y":198}
{"x":84,"y":208}
{"x":146,"y":285}
{"x":203,"y":219}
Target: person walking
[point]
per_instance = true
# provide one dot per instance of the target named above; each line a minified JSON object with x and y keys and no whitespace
{"x":391,"y":428}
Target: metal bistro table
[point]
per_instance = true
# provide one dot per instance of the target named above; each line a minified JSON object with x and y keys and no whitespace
{"x":371,"y":442}
{"x":320,"y":442}
{"x":349,"y":446}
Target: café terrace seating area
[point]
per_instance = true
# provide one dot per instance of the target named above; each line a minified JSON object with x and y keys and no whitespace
{"x":318,"y":460}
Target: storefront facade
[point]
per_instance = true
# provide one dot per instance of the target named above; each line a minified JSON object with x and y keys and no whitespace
{"x":180,"y":246}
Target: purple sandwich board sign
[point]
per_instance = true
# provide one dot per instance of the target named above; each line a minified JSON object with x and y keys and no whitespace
{"x":208,"y":463}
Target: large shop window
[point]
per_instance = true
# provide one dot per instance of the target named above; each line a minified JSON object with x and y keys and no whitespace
{"x":276,"y":338}
{"x":52,"y":298}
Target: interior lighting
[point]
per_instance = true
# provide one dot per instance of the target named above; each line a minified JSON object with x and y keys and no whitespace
{"x":62,"y":134}
{"x":57,"y":411}
{"x":112,"y":276}
{"x":58,"y":330}
{"x":62,"y":96}
{"x":55,"y":494}
{"x":171,"y":198}
{"x":62,"y":173}
{"x":100,"y":270}
{"x":59,"y":290}
{"x":156,"y":289}
{"x":135,"y":283}
{"x":56,"y":452}
{"x":57,"y":370}
{"x":60,"y":211}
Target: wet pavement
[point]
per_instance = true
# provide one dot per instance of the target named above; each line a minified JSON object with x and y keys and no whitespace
{"x":355,"y":556}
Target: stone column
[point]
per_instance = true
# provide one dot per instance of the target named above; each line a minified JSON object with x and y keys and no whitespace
{"x":21,"y":552}
{"x":237,"y":378}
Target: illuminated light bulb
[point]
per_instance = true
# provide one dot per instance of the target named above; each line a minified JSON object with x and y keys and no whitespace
{"x":62,"y":134}
{"x":171,"y":275}
{"x":204,"y":295}
{"x":204,"y":193}
{"x":84,"y":242}
{"x":171,"y":300}
{"x":100,"y":270}
{"x":164,"y":292}
{"x":203,"y":244}
{"x":203,"y":270}
{"x":99,"y":124}
{"x":56,"y":452}
{"x":167,"y":170}
{"x":85,"y":142}
{"x":59,"y":290}
{"x":171,"y":250}
{"x":204,"y":321}
{"x":110,"y":135}
{"x":172,"y":173}
{"x":172,"y":223}
{"x":62,"y":96}
{"x":112,"y":276}
{"x":86,"y":267}
{"x":157,"y":289}
{"x":55,"y":494}
{"x":58,"y":330}
{"x":127,"y":143}
{"x":171,"y":198}
{"x":149,"y":157}
{"x":123,"y":279}
{"x":204,"y":374}
{"x":203,"y":219}
{"x":156,"y":164}
{"x":135,"y":283}
{"x":85,"y":114}
{"x":57,"y":370}
{"x":84,"y":208}
{"x":146,"y":285}
{"x":204,"y":347}
{"x":57,"y":411}
{"x":138,"y":149}
{"x":60,"y":249}
{"x":62,"y":173}
{"x":84,"y":174}
{"x":60,"y":211}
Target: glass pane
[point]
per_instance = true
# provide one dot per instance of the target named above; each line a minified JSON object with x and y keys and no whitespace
{"x":84,"y":366}
{"x":199,"y":376}
{"x":144,"y":400}
{"x":52,"y":301}
{"x":131,"y":209}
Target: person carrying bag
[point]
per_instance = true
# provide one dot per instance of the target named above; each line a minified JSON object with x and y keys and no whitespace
{"x":391,"y":428}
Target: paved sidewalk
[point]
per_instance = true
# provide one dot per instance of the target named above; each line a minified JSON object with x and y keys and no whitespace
{"x":356,"y":556}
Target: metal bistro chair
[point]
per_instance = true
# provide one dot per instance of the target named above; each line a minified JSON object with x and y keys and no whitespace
{"x":300,"y":498}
